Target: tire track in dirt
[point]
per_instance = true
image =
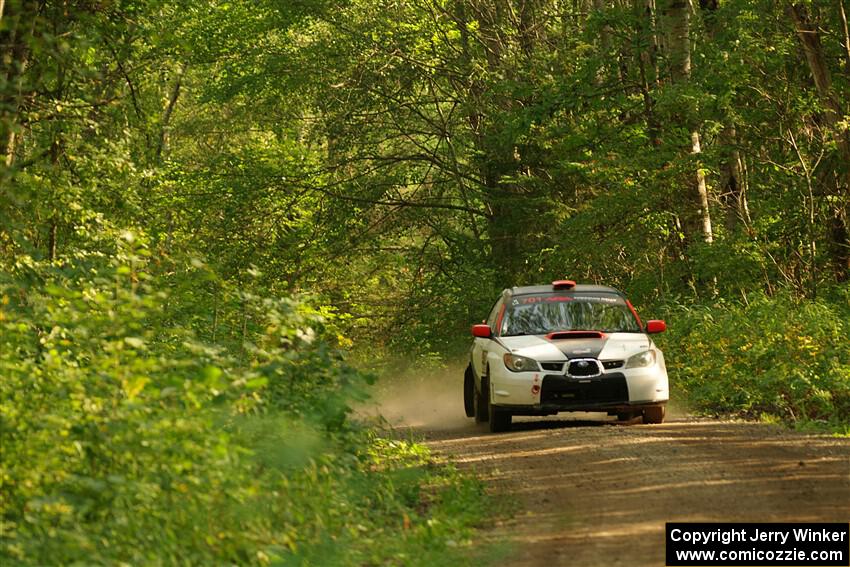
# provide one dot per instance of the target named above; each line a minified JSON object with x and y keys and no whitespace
{"x":591,"y":493}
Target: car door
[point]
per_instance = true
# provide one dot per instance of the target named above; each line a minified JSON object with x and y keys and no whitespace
{"x":482,"y":346}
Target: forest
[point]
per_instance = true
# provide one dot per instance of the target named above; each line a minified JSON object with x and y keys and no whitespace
{"x":222,"y":221}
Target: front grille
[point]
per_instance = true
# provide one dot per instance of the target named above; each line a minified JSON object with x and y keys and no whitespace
{"x":553,"y":366}
{"x":565,"y":391}
{"x":583,"y":367}
{"x":609,"y":364}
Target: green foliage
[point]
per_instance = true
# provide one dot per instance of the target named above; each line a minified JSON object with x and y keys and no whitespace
{"x":127,"y":437}
{"x":202,"y":203}
{"x":771,"y":356}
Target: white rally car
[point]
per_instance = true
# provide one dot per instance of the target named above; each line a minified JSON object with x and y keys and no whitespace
{"x":564,"y":347}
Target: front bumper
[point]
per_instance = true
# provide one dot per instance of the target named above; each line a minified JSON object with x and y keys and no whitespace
{"x":543,"y":393}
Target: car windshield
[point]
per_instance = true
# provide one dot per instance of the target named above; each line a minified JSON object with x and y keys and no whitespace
{"x":543,"y":314}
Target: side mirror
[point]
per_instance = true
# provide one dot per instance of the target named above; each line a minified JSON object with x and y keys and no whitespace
{"x":655,"y":326}
{"x":482,"y":331}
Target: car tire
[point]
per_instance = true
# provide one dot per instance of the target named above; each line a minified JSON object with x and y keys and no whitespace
{"x":482,"y":397}
{"x":655,"y":414}
{"x":500,"y":420}
{"x":469,"y":392}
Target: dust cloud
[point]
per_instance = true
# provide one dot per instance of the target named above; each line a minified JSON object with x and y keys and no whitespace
{"x":677,"y":409}
{"x":430,"y":399}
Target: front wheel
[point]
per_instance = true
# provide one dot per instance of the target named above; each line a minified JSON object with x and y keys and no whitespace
{"x":480,"y":402}
{"x":655,"y":414}
{"x":500,"y":420}
{"x":469,"y":392}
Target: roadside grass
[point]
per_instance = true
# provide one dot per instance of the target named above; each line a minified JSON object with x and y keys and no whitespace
{"x":461,"y":496}
{"x":403,"y":508}
{"x":837,"y":429}
{"x":449,"y":513}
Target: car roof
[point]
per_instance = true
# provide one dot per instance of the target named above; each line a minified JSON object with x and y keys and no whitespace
{"x":579,"y":288}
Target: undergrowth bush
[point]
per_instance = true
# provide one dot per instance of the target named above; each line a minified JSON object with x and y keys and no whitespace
{"x":779,"y":357}
{"x":130,"y":436}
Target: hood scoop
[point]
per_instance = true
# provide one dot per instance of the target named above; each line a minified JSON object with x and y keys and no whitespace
{"x":575,"y":335}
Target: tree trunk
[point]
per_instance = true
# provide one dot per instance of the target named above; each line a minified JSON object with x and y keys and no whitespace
{"x":846,"y":43}
{"x":732,"y":185}
{"x":679,"y":44}
{"x":648,"y":65}
{"x":169,"y":109}
{"x":732,"y":188}
{"x":809,"y":35}
{"x":53,"y":227}
{"x":20,"y":20}
{"x":679,"y":40}
{"x":527,"y":26}
{"x":599,"y":6}
{"x":51,"y":239}
{"x":840,"y":244}
{"x":651,"y":14}
{"x":496,"y":157}
{"x":702,"y":192}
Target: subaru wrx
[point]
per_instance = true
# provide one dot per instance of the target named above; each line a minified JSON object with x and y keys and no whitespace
{"x":565,"y":347}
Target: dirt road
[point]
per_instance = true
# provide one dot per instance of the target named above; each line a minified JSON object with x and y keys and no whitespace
{"x":590,"y":493}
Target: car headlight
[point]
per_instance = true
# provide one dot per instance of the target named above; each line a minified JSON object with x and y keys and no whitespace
{"x":520,"y":363}
{"x":641,"y":359}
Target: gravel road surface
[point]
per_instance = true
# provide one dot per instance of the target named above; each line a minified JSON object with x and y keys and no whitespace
{"x":589,"y":493}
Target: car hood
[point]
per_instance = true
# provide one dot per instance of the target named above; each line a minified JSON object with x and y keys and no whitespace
{"x":612,"y":346}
